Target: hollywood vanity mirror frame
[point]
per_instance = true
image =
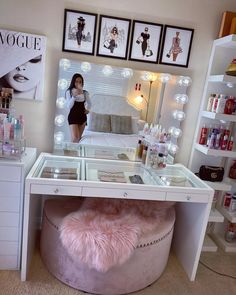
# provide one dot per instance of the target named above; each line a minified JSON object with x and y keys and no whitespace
{"x":157,"y":89}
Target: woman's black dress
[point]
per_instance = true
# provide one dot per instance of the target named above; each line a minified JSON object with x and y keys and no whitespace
{"x":77,"y":114}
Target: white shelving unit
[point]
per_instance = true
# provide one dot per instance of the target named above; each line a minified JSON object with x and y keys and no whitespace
{"x":223,"y":52}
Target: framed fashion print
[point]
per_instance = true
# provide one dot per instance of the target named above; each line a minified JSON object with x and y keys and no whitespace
{"x":113,"y":37}
{"x":176,"y":46}
{"x":145,"y":41}
{"x":79,"y":32}
{"x":22,"y":60}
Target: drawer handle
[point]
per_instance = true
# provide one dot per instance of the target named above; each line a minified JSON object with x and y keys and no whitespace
{"x":56,"y":190}
{"x":125,"y":194}
{"x":188,"y":198}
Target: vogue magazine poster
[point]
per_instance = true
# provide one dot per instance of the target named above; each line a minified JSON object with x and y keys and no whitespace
{"x":22,"y":63}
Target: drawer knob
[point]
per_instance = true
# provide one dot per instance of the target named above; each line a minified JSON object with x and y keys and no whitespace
{"x":56,"y":190}
{"x":188,"y":198}
{"x":125,"y":194}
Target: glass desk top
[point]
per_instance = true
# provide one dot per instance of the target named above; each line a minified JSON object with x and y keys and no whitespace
{"x":114,"y":171}
{"x":97,"y":151}
{"x":101,"y":152}
{"x":59,"y":168}
{"x":177,"y":175}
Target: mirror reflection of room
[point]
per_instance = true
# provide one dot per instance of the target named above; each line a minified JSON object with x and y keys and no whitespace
{"x":122,"y":103}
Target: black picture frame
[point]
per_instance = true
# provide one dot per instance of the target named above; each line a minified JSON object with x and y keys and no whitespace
{"x":145,"y":41}
{"x":176,"y":46}
{"x":86,"y":36}
{"x":113,"y":42}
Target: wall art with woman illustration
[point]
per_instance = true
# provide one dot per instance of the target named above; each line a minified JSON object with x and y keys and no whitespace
{"x":22,"y":63}
{"x":145,"y":41}
{"x":79,"y":31}
{"x":113,"y":37}
{"x":176,"y":46}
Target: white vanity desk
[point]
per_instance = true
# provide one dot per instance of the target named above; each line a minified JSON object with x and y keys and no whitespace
{"x":174,"y":183}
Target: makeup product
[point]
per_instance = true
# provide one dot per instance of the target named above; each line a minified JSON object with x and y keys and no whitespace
{"x":203,"y":135}
{"x":17,"y":130}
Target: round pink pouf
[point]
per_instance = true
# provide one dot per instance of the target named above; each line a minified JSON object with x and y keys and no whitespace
{"x":145,"y":266}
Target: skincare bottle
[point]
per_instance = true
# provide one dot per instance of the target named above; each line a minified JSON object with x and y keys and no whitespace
{"x":6,"y":127}
{"x":141,"y":147}
{"x":221,"y":104}
{"x":17,"y":130}
{"x":230,"y":144}
{"x":1,"y":131}
{"x":144,"y":155}
{"x":137,"y":153}
{"x":22,"y":123}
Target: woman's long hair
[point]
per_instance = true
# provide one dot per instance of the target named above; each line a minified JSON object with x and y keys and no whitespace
{"x":72,"y":83}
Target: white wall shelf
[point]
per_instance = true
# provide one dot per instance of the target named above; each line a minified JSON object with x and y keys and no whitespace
{"x":230,"y":181}
{"x":222,"y":79}
{"x":231,"y":216}
{"x":209,"y":245}
{"x":226,"y":42}
{"x":220,"y":186}
{"x":215,"y":116}
{"x":216,"y":153}
{"x":222,"y":54}
{"x":220,"y":240}
{"x":215,"y":216}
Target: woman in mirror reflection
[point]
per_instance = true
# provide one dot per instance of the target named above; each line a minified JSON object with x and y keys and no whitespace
{"x":78,"y":101}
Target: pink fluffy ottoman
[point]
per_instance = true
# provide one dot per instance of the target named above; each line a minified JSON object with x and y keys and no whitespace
{"x":143,"y":266}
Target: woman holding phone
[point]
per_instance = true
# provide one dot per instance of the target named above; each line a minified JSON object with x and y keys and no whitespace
{"x":78,"y":101}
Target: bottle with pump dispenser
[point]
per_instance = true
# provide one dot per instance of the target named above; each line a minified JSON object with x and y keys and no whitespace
{"x":221,"y":104}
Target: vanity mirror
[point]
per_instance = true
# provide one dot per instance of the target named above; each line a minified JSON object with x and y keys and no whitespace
{"x":138,"y":95}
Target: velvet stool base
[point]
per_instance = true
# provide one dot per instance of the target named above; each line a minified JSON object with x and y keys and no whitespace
{"x":144,"y":267}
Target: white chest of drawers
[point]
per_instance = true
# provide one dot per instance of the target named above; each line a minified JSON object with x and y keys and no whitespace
{"x":12,"y":178}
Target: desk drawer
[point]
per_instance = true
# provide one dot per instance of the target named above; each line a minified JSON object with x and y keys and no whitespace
{"x":123,"y":193}
{"x":9,"y":219}
{"x":8,"y":248}
{"x":9,"y":262}
{"x":10,"y":173}
{"x":56,"y":190}
{"x":9,"y":234}
{"x":184,"y":197}
{"x":9,"y":204}
{"x":9,"y":189}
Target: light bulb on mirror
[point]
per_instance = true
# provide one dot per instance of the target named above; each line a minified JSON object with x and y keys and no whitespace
{"x":59,"y":120}
{"x":139,"y":99}
{"x":179,"y":115}
{"x":170,"y":130}
{"x":107,"y":70}
{"x":173,"y":148}
{"x":62,"y":84}
{"x":61,"y":102}
{"x":127,"y":73}
{"x":175,"y":132}
{"x":65,"y":64}
{"x":184,"y":81}
{"x":164,"y":78}
{"x":181,"y":98}
{"x":59,"y":137}
{"x":149,"y":76}
{"x":230,"y":85}
{"x":85,"y":67}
